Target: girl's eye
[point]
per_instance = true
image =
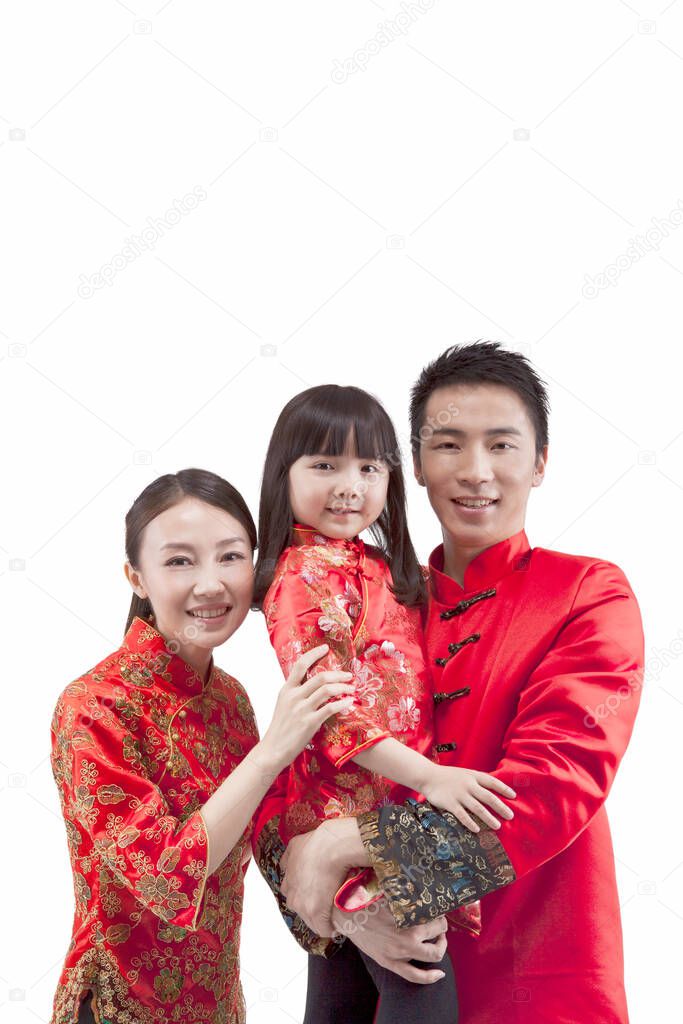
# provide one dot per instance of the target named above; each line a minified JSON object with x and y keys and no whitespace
{"x":373,"y":469}
{"x":322,"y":465}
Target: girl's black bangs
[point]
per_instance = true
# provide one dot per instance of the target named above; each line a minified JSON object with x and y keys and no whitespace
{"x":327,"y":434}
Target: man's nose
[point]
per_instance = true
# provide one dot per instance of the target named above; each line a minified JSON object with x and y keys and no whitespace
{"x":474,"y":467}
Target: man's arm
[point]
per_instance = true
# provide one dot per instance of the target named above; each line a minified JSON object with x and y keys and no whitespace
{"x":561,"y":750}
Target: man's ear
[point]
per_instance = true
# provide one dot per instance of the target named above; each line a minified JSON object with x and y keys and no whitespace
{"x":417,"y":469}
{"x":135,"y":580}
{"x":539,"y":468}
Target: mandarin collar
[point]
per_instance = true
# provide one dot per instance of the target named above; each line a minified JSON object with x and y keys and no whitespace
{"x":153,"y":664}
{"x":486,"y":568}
{"x":303,"y":534}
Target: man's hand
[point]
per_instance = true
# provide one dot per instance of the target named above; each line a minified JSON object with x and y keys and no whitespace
{"x":375,"y":932}
{"x":315,"y":865}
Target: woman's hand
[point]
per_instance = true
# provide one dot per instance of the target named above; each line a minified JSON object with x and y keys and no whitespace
{"x":302,"y":707}
{"x":460,"y":790}
{"x":374,"y":931}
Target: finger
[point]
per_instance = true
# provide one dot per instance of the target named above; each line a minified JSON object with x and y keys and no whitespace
{"x":491,"y":782}
{"x":464,"y":819}
{"x":495,"y":803}
{"x":320,"y":679}
{"x":481,"y":811}
{"x":317,"y":699}
{"x":420,"y":975}
{"x":304,"y":662}
{"x":333,"y":708}
{"x":431,"y":952}
{"x":429,"y":930}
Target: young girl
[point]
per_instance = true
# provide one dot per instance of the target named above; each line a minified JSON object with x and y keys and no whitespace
{"x":159,"y":767}
{"x":333,"y":469}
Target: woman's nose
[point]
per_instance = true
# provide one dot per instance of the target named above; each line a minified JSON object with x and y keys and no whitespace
{"x":209,"y":582}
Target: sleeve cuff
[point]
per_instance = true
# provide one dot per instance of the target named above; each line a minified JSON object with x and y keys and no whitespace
{"x":359,"y":748}
{"x":427,"y":863}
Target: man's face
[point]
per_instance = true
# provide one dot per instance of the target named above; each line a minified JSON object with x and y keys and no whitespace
{"x":478,"y":462}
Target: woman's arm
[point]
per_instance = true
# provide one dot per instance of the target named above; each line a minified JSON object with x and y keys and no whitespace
{"x":300,"y":710}
{"x":107,"y":794}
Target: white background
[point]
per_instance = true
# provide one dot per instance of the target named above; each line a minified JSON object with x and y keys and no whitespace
{"x":460,"y":183}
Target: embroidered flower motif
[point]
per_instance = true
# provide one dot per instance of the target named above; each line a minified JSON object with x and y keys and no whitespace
{"x":368,"y":684}
{"x":334,"y":621}
{"x":404,"y":716}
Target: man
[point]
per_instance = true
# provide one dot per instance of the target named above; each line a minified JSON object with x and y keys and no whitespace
{"x":537,"y":659}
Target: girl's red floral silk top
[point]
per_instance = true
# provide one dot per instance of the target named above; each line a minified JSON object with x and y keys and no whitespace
{"x":139,"y":743}
{"x":337,"y":592}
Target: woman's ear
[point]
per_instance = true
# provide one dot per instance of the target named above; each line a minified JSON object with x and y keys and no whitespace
{"x":135,"y":580}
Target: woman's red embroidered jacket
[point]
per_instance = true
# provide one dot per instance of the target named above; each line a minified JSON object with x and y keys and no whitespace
{"x":139,"y":743}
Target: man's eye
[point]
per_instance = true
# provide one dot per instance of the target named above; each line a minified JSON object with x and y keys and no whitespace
{"x":446,"y":444}
{"x":503,"y":444}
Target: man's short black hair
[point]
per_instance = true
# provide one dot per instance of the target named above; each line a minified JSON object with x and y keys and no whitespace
{"x":482,"y":362}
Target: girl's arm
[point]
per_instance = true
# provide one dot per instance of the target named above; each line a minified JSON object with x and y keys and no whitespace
{"x":457,"y":790}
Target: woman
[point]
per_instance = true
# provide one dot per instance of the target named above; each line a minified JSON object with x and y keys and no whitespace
{"x":159,"y":767}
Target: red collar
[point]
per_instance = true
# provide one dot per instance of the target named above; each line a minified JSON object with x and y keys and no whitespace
{"x":153,"y":664}
{"x":302,"y":534}
{"x":487,"y":568}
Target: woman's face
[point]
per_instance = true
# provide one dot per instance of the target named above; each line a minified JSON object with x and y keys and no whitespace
{"x":196,"y":568}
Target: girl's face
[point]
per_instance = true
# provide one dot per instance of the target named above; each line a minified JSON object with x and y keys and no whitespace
{"x":196,"y":569}
{"x":338,"y":495}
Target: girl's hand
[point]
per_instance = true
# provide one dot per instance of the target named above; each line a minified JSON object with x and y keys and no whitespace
{"x":302,"y":707}
{"x":460,"y":790}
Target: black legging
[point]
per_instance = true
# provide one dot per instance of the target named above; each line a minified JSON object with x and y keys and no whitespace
{"x":85,"y":1014}
{"x":345,"y":988}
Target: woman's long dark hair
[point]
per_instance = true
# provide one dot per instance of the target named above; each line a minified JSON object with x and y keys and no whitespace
{"x":169,"y":490}
{"x":322,"y":420}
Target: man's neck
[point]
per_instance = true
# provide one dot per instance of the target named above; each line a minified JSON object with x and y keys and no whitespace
{"x":457,"y":558}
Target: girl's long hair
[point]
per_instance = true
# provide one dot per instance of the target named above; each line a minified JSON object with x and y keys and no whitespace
{"x":169,"y":490}
{"x":322,"y":420}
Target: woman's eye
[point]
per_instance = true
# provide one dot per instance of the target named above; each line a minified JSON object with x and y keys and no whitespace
{"x":232,"y":554}
{"x":177,"y":560}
